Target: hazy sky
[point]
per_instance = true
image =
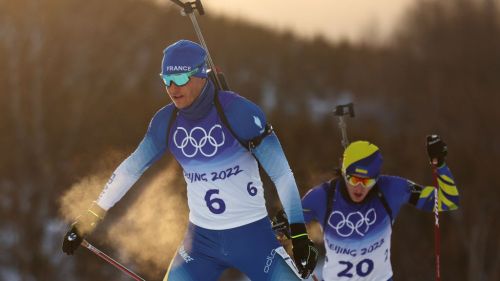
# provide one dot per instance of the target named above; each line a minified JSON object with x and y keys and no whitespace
{"x":333,"y":18}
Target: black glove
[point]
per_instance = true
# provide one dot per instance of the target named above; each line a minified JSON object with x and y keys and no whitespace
{"x":72,"y":240}
{"x":305,"y":253}
{"x":83,"y":225}
{"x":436,"y":149}
{"x":280,"y":224}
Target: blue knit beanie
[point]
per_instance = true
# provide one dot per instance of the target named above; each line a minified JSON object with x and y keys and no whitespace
{"x":184,"y":56}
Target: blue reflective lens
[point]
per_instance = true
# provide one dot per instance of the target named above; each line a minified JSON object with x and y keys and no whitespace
{"x":180,"y":79}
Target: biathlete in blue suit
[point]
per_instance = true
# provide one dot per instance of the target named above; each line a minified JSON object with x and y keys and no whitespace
{"x":357,"y":209}
{"x":217,"y":137}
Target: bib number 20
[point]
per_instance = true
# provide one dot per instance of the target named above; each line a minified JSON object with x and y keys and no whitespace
{"x":363,"y":268}
{"x":214,"y":204}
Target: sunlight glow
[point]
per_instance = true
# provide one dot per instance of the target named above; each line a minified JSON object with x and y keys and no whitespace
{"x":334,"y":19}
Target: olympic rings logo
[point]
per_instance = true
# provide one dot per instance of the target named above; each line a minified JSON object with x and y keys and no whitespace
{"x":345,"y":226}
{"x":206,"y":143}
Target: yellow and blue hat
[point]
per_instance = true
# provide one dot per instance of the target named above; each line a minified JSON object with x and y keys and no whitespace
{"x":363,"y":159}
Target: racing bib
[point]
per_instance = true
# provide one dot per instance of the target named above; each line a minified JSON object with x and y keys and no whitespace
{"x":358,"y":241}
{"x":224,"y":188}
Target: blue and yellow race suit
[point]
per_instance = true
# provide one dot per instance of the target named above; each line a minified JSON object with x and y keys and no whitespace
{"x":228,"y":223}
{"x":357,"y":236}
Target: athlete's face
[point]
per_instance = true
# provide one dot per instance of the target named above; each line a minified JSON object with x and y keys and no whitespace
{"x":357,"y":190}
{"x":184,"y":96}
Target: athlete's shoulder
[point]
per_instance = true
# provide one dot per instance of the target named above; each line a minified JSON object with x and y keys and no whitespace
{"x":227,"y":97}
{"x":158,"y":125}
{"x":391,"y":182}
{"x":314,"y":203}
{"x":165,"y":111}
{"x":233,"y":102}
{"x":244,"y":116}
{"x":396,"y":189}
{"x":162,"y":117}
{"x":316,"y":193}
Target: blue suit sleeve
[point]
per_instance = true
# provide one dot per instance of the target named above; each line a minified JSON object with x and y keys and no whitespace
{"x":448,"y":197}
{"x":273,"y":161}
{"x":248,"y":121}
{"x":399,"y":191}
{"x":314,"y":204}
{"x":150,"y":149}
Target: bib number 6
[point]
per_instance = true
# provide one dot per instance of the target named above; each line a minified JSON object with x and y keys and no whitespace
{"x":252,"y":190}
{"x":214,"y":204}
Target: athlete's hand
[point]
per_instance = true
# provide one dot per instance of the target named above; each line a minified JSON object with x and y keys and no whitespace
{"x":280,"y":225}
{"x":84,"y":224}
{"x":436,"y":149}
{"x":305,"y":253}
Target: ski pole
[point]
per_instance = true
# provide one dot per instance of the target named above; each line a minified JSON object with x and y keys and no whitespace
{"x":111,"y":261}
{"x":188,"y":9}
{"x":340,"y":111}
{"x":288,"y":260}
{"x":437,"y":232}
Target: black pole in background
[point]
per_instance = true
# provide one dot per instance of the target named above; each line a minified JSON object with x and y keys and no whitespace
{"x":188,"y":9}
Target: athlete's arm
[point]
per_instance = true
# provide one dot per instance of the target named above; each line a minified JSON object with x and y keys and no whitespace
{"x":272,"y":158}
{"x":422,"y":197}
{"x":152,"y":146}
{"x":248,"y":122}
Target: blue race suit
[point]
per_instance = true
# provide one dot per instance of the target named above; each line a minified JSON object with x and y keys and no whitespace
{"x":358,"y":235}
{"x":228,"y":218}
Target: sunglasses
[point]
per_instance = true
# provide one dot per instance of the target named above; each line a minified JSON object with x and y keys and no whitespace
{"x":180,"y":79}
{"x":365,"y":182}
